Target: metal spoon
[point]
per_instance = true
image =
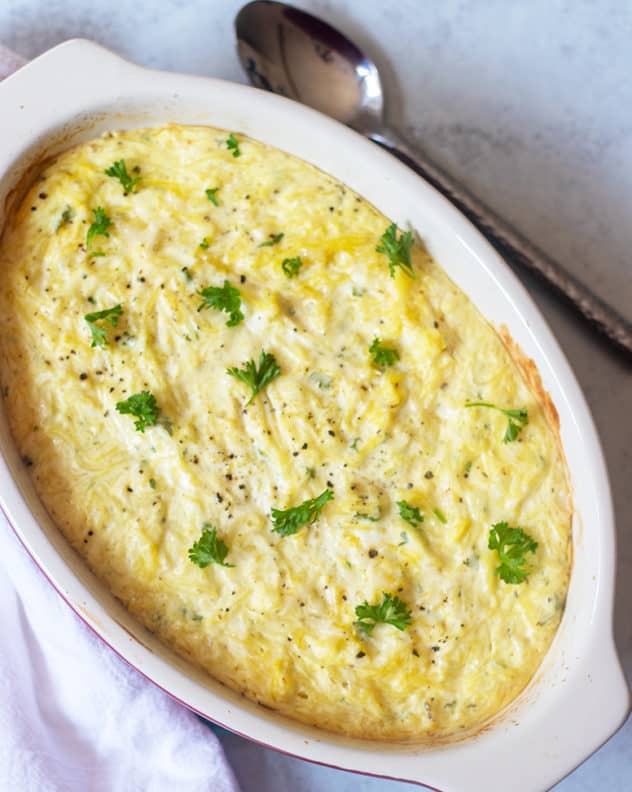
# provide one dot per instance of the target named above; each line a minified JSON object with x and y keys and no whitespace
{"x":291,"y":52}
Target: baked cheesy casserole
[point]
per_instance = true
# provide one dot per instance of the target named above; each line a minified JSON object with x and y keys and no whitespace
{"x":282,"y":436}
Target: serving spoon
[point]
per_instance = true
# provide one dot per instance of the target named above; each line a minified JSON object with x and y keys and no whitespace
{"x":291,"y":52}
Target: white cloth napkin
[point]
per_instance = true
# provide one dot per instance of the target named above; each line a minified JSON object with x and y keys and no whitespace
{"x":74,"y":717}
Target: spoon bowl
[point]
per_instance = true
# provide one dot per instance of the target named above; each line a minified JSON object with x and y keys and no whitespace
{"x":292,"y":53}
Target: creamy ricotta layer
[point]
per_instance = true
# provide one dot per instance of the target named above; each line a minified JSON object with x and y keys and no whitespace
{"x":280,"y":624}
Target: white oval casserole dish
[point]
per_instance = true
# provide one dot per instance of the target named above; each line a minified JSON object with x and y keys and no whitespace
{"x":579,"y":696}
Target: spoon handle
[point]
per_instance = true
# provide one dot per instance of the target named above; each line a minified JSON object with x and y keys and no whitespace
{"x":512,"y":246}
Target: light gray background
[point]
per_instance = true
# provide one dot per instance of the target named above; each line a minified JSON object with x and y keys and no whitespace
{"x":530,"y":104}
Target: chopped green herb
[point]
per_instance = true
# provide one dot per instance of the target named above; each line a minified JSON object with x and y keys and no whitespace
{"x":209,"y":549}
{"x":439,"y":515}
{"x":397,"y":249}
{"x":211,"y":194}
{"x":411,"y":514}
{"x":383,"y":356}
{"x":152,"y":483}
{"x":288,"y":521}
{"x":274,"y":240}
{"x":256,"y":378}
{"x":204,"y":244}
{"x":225,"y":298}
{"x":516,"y":419}
{"x":468,"y":467}
{"x":291,"y":266}
{"x":65,"y":218}
{"x":100,"y":225}
{"x":390,"y":611}
{"x":111,"y":315}
{"x":119,"y":171}
{"x":404,"y":537}
{"x":97,"y":254}
{"x":232,"y":144}
{"x":363,"y":516}
{"x":512,"y":545}
{"x":143,"y":407}
{"x":354,"y":444}
{"x":187,"y":274}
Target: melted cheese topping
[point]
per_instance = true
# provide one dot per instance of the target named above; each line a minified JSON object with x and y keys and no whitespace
{"x":280,"y":624}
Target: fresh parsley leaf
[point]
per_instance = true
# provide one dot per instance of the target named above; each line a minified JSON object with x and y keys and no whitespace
{"x":371,"y":517}
{"x":291,"y":266}
{"x":516,"y":419}
{"x":223,"y":298}
{"x":440,"y":516}
{"x":209,"y":549}
{"x":397,"y":249}
{"x":383,"y":356}
{"x":287,"y":522}
{"x":274,"y":240}
{"x":512,"y":544}
{"x":143,"y":407}
{"x":204,"y":244}
{"x":211,"y":194}
{"x":411,"y":514}
{"x":100,"y":225}
{"x":233,"y":145}
{"x":390,"y":611}
{"x":66,"y":217}
{"x":119,"y":171}
{"x":256,"y":378}
{"x":111,"y":315}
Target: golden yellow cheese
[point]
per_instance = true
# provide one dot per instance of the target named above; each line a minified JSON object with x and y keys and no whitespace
{"x":280,"y":625}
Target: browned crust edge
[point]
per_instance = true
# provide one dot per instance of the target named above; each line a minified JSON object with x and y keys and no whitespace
{"x":531,"y":375}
